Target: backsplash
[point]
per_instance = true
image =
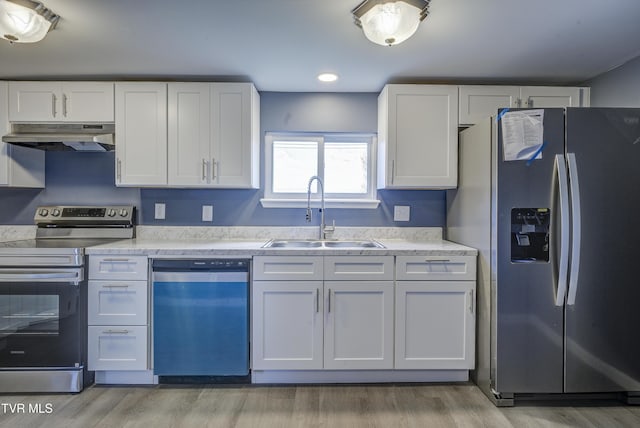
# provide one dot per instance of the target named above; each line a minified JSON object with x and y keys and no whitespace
{"x":266,"y":233}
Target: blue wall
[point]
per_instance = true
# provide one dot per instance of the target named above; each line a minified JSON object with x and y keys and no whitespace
{"x":88,"y":178}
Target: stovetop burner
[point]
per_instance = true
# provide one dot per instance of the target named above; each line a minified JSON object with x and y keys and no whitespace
{"x":68,"y":230}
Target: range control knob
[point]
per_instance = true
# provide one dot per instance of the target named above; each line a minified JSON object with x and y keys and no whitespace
{"x":55,"y":212}
{"x":44,"y":212}
{"x":111,"y":212}
{"x":124,"y":213}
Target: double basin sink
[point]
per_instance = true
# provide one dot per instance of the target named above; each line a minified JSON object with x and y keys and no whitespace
{"x":319,"y":243}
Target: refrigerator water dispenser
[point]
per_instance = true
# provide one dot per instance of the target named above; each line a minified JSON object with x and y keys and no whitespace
{"x":530,"y":234}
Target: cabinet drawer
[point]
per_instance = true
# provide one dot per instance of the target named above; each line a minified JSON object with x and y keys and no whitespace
{"x":358,"y":268}
{"x":117,"y":302}
{"x":441,"y":268}
{"x":117,"y":348}
{"x":118,"y":267}
{"x":287,"y":268}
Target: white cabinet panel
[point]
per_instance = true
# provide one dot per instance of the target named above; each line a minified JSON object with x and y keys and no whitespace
{"x":117,"y":348}
{"x":117,"y":302}
{"x":288,"y":268}
{"x":116,"y":267}
{"x":358,"y":332}
{"x":141,"y":130}
{"x":61,"y":101}
{"x":415,"y":268}
{"x":358,"y":268}
{"x":418,"y":136}
{"x":235,"y":125}
{"x":189,"y":135}
{"x":479,"y":101}
{"x":549,"y":96}
{"x":435,"y":323}
{"x":287,"y":325}
{"x":19,"y":166}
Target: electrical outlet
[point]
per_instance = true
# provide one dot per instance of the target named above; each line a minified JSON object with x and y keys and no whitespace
{"x":159,"y":211}
{"x":401,"y":213}
{"x":207,"y":213}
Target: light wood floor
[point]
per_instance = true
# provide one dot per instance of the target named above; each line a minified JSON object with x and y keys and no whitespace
{"x":351,"y":406}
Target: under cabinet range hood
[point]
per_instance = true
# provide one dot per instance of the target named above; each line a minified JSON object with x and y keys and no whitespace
{"x":82,"y":137}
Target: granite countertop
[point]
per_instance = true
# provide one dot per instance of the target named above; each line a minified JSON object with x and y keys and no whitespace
{"x":248,"y":248}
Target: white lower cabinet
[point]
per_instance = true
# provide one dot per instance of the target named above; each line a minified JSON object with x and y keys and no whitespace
{"x":118,"y":347}
{"x":435,"y":325}
{"x":358,"y":330}
{"x":322,"y":324}
{"x":118,"y":318}
{"x":287,"y":325}
{"x":435,"y":312}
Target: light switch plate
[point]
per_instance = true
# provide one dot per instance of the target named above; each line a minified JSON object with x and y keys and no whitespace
{"x":207,"y":213}
{"x":401,"y":213}
{"x":159,"y":211}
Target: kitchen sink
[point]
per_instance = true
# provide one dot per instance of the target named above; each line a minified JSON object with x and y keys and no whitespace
{"x":306,"y":243}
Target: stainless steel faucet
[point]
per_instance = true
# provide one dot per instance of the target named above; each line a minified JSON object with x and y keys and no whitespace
{"x":324,"y":229}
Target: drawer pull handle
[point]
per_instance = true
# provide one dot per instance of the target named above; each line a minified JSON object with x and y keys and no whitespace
{"x":116,"y":260}
{"x":437,"y":261}
{"x":116,"y":332}
{"x":115,"y":286}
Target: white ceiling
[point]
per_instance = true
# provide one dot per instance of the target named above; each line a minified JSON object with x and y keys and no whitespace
{"x":281,"y":45}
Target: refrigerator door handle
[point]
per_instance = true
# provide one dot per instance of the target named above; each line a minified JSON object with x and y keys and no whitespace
{"x":576,"y":227}
{"x":561,"y":174}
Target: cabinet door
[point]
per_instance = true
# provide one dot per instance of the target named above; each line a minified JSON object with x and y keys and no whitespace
{"x":359,"y":325}
{"x":419,"y":136}
{"x":19,"y":166}
{"x":435,"y":325}
{"x":141,"y":133}
{"x":35,"y":101}
{"x":287,"y":325}
{"x":479,"y":102}
{"x":117,"y":348}
{"x":117,"y":302}
{"x":235,"y":135}
{"x":189,"y":134}
{"x":549,"y":96}
{"x":87,"y":102}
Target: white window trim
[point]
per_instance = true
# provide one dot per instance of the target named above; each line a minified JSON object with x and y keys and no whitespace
{"x":272,"y":200}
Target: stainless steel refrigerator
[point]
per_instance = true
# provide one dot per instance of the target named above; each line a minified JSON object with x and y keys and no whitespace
{"x":559,"y":262}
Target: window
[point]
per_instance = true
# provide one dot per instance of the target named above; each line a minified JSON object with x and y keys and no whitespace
{"x":344,"y":162}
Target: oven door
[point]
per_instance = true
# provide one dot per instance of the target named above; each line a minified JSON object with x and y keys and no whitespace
{"x":40,"y":317}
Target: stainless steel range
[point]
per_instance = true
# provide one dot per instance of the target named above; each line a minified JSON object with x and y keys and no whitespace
{"x":43,"y":297}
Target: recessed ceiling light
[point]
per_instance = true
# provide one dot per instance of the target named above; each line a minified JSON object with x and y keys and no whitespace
{"x":327,"y":77}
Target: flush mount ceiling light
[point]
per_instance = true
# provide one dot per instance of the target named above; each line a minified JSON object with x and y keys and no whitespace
{"x":389,"y":22}
{"x":327,"y":77}
{"x":25,"y":21}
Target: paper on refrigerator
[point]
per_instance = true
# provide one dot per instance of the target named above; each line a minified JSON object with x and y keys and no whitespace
{"x":522,"y":134}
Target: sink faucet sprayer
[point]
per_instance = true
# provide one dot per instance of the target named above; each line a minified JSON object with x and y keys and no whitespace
{"x":324,"y":229}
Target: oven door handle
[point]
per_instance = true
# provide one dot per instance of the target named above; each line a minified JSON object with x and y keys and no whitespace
{"x":23,"y":275}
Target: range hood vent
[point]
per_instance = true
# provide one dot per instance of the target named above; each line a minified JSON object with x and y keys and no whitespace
{"x":80,"y":137}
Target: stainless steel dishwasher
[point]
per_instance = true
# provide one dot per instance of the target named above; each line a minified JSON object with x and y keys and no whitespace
{"x":200,"y":320}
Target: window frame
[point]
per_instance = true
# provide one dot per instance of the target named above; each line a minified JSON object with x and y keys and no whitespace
{"x":332,"y":200}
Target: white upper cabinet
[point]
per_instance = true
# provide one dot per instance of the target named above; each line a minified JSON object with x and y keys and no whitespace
{"x":481,"y":101}
{"x":61,"y":101}
{"x":418,"y":137}
{"x":141,"y":134}
{"x":19,"y":166}
{"x":189,"y":135}
{"x":478,"y":102}
{"x":201,"y":134}
{"x":553,"y":96}
{"x":235,"y":135}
